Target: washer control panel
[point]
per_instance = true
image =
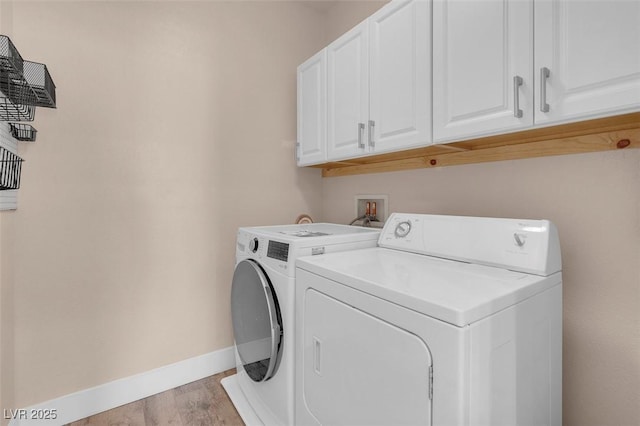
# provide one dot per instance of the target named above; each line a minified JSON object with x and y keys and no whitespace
{"x":278,"y":250}
{"x":254,"y":244}
{"x":275,"y":254}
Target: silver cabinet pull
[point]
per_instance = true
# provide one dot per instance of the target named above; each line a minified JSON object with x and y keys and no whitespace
{"x":544,"y":75}
{"x":360,"y":135}
{"x":372,"y":125}
{"x":296,"y":152}
{"x":517,"y":82}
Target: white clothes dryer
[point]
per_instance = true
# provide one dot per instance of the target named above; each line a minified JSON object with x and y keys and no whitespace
{"x":262,"y":309}
{"x":449,"y":321}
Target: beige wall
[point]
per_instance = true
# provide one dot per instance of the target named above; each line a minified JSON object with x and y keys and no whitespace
{"x":344,"y":15}
{"x":175,"y":125}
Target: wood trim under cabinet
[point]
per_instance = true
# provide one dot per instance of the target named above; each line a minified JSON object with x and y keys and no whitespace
{"x":602,"y":134}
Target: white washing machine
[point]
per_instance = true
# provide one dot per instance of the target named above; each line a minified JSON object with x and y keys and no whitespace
{"x":262,"y":308}
{"x":449,"y":321}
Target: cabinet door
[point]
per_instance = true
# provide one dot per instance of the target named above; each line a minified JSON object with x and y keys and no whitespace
{"x":592,"y":52}
{"x":348,"y":94}
{"x":480,"y":48}
{"x":312,"y":110}
{"x":400,"y":76}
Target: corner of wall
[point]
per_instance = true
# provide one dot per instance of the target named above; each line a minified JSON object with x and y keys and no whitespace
{"x":6,"y":297}
{"x":344,"y":15}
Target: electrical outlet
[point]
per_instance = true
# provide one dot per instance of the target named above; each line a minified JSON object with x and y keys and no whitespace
{"x":374,"y":207}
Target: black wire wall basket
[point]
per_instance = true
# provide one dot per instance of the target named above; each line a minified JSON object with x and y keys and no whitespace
{"x":38,"y":79}
{"x":10,"y":58}
{"x":10,"y":111}
{"x":23,"y":132}
{"x":12,"y":83}
{"x":24,"y":85}
{"x":10,"y":168}
{"x":33,"y":88}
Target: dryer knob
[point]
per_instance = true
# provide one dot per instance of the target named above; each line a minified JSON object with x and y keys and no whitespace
{"x":253,"y":245}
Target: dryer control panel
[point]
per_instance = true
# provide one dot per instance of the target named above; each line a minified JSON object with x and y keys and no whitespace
{"x":523,"y":245}
{"x":403,"y":232}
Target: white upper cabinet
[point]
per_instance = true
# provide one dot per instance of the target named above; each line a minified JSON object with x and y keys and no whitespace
{"x":417,"y":72}
{"x":348,"y":93}
{"x":488,"y":78}
{"x":312,"y":111}
{"x":482,"y":67}
{"x":379,"y":83}
{"x":400,"y":77}
{"x":591,"y":50}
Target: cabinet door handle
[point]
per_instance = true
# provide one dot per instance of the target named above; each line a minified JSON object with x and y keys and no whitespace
{"x":372,"y":125}
{"x":360,"y":135}
{"x":296,"y":152}
{"x":544,"y":75}
{"x":517,"y":82}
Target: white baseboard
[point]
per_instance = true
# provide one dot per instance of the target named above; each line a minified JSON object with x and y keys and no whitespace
{"x":88,"y":402}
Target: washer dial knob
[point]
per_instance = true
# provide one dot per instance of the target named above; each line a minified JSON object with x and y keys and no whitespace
{"x":402,"y":229}
{"x":253,"y":245}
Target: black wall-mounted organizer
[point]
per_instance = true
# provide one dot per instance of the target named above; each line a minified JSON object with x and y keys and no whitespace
{"x":15,"y":112}
{"x":10,"y":168}
{"x":10,"y":58}
{"x":24,"y":85}
{"x":23,"y":132}
{"x":38,"y":79}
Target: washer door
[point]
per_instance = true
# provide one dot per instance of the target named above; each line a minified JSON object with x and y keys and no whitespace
{"x":257,"y":323}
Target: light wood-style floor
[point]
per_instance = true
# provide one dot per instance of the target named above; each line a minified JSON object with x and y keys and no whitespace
{"x":201,"y":403}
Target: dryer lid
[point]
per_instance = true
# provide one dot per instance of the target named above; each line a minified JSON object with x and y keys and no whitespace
{"x":452,"y":291}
